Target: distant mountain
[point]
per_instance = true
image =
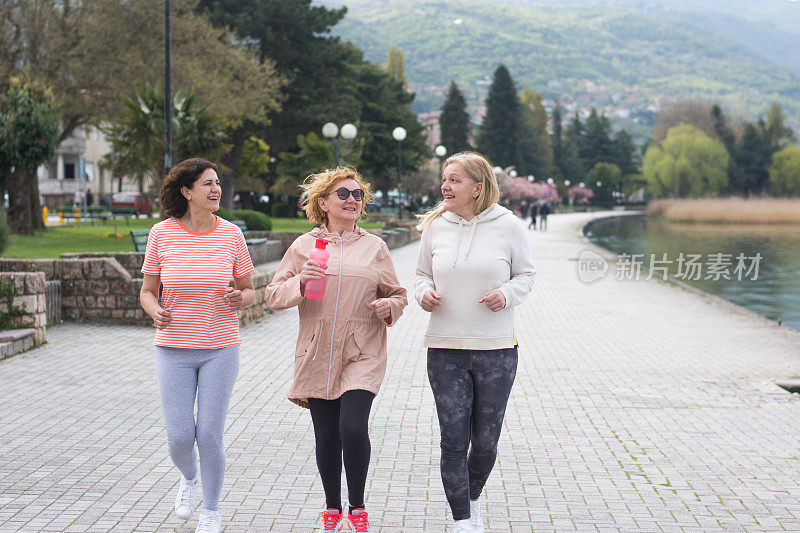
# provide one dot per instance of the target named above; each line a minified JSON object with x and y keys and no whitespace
{"x":618,"y":55}
{"x":769,"y":27}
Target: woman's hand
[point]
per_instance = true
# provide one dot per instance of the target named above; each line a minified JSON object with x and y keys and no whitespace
{"x":161,"y":318}
{"x":495,"y":300}
{"x":233,"y":297}
{"x":430,"y":300}
{"x":310,"y":270}
{"x":382,"y":308}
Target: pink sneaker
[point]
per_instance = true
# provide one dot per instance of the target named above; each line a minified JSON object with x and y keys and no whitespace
{"x":359,"y":521}
{"x":331,"y":520}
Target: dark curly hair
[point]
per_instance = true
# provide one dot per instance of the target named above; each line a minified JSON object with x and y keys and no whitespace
{"x":184,"y":174}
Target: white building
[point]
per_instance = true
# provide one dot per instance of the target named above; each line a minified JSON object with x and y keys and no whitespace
{"x":76,"y":166}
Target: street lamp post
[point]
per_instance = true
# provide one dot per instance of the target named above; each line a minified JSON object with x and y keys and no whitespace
{"x":331,"y":132}
{"x":440,"y":152}
{"x":399,"y":134}
{"x":167,"y":87}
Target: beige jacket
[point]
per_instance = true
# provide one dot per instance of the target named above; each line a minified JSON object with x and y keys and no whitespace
{"x":341,"y":344}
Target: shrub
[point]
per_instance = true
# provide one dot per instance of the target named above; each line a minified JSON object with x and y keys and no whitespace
{"x":255,"y":220}
{"x":278,"y":209}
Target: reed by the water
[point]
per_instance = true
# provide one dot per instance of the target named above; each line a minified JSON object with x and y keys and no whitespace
{"x":756,"y":210}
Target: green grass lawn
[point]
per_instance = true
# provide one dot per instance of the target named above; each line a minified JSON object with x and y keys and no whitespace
{"x":53,"y":242}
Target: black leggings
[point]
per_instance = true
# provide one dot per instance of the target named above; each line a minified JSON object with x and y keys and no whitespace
{"x":471,"y":389}
{"x":340,"y":429}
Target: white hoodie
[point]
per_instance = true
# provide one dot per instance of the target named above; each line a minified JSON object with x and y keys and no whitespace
{"x":463,"y":260}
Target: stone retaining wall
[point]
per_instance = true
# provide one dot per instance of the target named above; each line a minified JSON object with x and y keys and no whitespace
{"x":99,"y":289}
{"x":263,"y":252}
{"x":28,"y":292}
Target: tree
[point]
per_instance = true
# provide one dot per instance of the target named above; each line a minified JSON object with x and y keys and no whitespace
{"x":624,"y":152}
{"x":693,"y":112}
{"x":722,"y":128}
{"x":295,"y":36}
{"x":137,"y":140}
{"x":557,"y":142}
{"x":779,"y":134}
{"x":534,"y":142}
{"x":784,"y":173}
{"x":498,"y":138}
{"x":28,"y":138}
{"x":314,"y":155}
{"x":454,"y":121}
{"x":93,"y":50}
{"x":574,"y":165}
{"x":254,"y":166}
{"x":609,"y":177}
{"x":395,"y":66}
{"x":384,"y":105}
{"x":595,"y":142}
{"x":752,"y":156}
{"x":688,"y":163}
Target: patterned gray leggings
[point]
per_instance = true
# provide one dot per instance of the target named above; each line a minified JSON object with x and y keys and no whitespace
{"x":471,"y":389}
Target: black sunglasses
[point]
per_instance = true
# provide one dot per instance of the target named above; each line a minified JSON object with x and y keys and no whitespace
{"x":344,"y":192}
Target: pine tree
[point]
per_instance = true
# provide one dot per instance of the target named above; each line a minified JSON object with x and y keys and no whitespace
{"x":454,"y":121}
{"x":557,"y":143}
{"x":498,"y":138}
{"x":595,"y":145}
{"x":574,"y":164}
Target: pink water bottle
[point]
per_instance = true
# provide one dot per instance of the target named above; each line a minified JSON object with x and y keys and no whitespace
{"x":315,"y":288}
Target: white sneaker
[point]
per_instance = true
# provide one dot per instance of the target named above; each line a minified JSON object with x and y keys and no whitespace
{"x":463,"y":526}
{"x":475,"y":516}
{"x":210,"y":522}
{"x":184,"y":500}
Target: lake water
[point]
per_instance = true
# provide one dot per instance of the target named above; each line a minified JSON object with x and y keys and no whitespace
{"x":712,"y":253}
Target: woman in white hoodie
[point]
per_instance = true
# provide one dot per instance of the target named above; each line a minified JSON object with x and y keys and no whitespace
{"x":474,"y":266}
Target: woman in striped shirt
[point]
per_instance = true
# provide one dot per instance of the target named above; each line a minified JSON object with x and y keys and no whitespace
{"x":194,"y":254}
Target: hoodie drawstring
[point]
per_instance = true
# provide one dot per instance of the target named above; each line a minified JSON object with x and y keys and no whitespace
{"x":474,"y":224}
{"x":458,"y":246}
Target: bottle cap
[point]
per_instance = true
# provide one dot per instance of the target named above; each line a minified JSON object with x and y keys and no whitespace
{"x":321,"y":243}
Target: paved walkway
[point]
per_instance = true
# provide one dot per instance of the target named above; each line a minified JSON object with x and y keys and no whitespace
{"x":639,"y":406}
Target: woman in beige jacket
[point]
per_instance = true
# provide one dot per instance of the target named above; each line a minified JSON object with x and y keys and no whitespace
{"x":340,"y":359}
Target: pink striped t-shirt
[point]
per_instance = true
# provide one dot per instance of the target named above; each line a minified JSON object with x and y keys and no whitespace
{"x":195,"y":269}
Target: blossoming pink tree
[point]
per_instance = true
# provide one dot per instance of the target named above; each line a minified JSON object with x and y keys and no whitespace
{"x":580,"y":194}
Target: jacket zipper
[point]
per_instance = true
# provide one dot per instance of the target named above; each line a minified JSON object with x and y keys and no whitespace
{"x":335,"y":311}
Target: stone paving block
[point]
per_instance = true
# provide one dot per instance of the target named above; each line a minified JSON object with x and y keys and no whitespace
{"x":638,"y":406}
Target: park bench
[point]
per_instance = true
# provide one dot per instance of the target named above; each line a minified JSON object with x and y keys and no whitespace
{"x":125,"y":211}
{"x":92,"y":212}
{"x":139,"y":237}
{"x":243,"y":226}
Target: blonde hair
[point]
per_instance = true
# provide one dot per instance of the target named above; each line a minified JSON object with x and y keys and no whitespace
{"x":322,"y":184}
{"x":478,"y":169}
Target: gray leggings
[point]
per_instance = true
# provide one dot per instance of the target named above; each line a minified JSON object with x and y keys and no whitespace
{"x":208,"y":375}
{"x":471,"y":389}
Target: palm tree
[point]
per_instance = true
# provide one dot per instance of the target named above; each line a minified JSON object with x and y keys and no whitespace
{"x":137,"y":140}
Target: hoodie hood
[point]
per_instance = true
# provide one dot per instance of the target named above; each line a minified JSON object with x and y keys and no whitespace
{"x":492,"y":212}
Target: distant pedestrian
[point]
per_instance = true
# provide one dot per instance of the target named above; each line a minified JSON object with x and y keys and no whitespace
{"x":532,"y":213}
{"x":474,"y":267}
{"x":194,"y":254}
{"x":544,"y":210}
{"x":340,"y":357}
{"x":89,"y":198}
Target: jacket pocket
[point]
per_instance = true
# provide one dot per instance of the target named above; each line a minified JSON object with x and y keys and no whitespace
{"x":310,"y":343}
{"x":361,"y":345}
